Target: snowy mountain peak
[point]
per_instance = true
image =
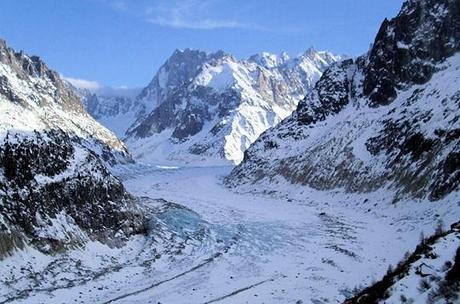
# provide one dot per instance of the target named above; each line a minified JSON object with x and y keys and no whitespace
{"x":310,"y":52}
{"x":270,"y":61}
{"x":189,"y":58}
{"x":41,"y":100}
{"x":178,"y":70}
{"x":284,"y":56}
{"x":266,"y":60}
{"x":214,"y":105}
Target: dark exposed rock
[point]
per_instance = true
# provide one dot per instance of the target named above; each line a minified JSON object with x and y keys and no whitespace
{"x":185,"y":122}
{"x":333,"y":91}
{"x":416,"y":145}
{"x":6,"y":91}
{"x":184,"y":65}
{"x":25,"y":67}
{"x":408,"y":47}
{"x":45,"y":177}
{"x":448,"y":178}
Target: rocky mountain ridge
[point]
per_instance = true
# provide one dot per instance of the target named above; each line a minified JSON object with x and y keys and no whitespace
{"x":55,"y":190}
{"x":214,"y":105}
{"x":386,"y":120}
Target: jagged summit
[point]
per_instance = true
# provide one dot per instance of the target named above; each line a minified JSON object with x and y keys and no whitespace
{"x":408,"y":48}
{"x":212,"y":105}
{"x":355,"y":175}
{"x":311,"y":51}
{"x":269,"y":60}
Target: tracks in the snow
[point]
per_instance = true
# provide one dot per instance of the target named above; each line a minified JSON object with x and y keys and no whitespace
{"x":195,"y":268}
{"x":206,"y":262}
{"x":156,"y":284}
{"x":234,"y":293}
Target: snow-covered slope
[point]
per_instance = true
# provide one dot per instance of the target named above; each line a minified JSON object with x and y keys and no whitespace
{"x":388,"y":119}
{"x":430,"y":274}
{"x":214,"y":105}
{"x":35,"y":98}
{"x":114,"y":108}
{"x":55,"y":191}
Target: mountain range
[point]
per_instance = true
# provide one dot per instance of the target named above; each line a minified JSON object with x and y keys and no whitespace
{"x":209,"y":105}
{"x":332,"y":167}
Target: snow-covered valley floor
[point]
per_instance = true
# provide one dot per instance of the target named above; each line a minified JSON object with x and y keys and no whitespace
{"x":209,"y":244}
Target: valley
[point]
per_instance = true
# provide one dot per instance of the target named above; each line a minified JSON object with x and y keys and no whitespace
{"x":209,"y":244}
{"x":268,"y":178}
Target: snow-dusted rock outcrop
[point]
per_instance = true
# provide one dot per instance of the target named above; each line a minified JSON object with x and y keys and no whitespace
{"x":215,"y":106}
{"x":388,"y":119}
{"x":55,"y":191}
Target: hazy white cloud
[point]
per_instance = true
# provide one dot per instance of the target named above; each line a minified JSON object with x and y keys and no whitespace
{"x":206,"y":24}
{"x":96,"y":87}
{"x":119,"y":5}
{"x":191,"y":14}
{"x":83,"y":83}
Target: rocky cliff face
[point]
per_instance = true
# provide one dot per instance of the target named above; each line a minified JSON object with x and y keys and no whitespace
{"x":55,"y":191}
{"x":408,"y":47}
{"x":214,"y":105}
{"x":388,"y":119}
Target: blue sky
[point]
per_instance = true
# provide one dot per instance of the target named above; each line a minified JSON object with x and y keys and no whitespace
{"x":124,"y":42}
